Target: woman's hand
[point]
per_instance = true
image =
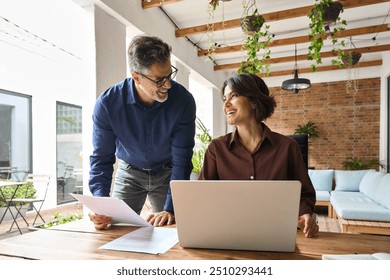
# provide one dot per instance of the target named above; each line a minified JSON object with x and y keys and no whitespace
{"x":308,"y":224}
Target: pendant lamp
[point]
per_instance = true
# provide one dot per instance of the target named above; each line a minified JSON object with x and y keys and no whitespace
{"x":296,"y":83}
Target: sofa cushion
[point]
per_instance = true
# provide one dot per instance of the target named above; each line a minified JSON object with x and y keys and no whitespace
{"x":359,"y":207}
{"x":349,"y":180}
{"x":322,"y":179}
{"x":354,"y":195}
{"x":382,"y":195}
{"x":322,"y":196}
{"x":370,"y":183}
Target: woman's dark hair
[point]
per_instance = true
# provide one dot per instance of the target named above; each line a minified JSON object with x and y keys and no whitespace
{"x":144,"y":51}
{"x":253,"y":87}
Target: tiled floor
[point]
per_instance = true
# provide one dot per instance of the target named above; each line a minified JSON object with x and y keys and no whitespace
{"x":325,"y":223}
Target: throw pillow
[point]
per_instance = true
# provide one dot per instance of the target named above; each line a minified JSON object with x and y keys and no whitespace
{"x":382,"y":196}
{"x":370,"y":183}
{"x":322,"y":180}
{"x":349,"y":180}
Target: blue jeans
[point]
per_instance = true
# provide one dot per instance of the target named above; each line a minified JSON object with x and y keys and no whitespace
{"x":133,"y":186}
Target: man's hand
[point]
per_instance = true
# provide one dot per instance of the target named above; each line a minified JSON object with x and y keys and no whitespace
{"x":100,"y":221}
{"x":161,"y":218}
{"x":308,"y":224}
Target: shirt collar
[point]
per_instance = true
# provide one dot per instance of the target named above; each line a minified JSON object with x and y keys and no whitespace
{"x":267,"y":135}
{"x":132,"y":98}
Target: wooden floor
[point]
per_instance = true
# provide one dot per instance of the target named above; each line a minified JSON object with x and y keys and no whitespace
{"x":325,"y":223}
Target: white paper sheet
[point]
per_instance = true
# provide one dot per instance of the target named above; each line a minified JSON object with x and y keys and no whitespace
{"x":151,"y":240}
{"x":375,"y":256}
{"x":113,"y":207}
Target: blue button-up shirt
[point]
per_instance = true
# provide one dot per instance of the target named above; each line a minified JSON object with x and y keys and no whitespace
{"x":143,"y":137}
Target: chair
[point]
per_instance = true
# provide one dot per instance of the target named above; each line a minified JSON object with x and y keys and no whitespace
{"x":303,"y":141}
{"x":7,"y":171}
{"x":78,"y":173}
{"x":40,"y":182}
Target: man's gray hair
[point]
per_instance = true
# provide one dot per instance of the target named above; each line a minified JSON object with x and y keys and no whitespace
{"x":144,"y":51}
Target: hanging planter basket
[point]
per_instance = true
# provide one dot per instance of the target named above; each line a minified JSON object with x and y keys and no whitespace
{"x":252,"y":23}
{"x":351,"y":58}
{"x":332,"y":12}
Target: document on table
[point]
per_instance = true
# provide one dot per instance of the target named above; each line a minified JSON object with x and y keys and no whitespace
{"x":113,"y":207}
{"x":151,"y":240}
{"x":375,"y":256}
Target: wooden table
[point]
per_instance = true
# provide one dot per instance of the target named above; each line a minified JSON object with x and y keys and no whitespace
{"x":79,"y":240}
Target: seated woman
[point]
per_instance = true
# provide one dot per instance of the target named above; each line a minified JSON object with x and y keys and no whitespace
{"x":253,"y":151}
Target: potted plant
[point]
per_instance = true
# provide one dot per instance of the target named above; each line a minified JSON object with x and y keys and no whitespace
{"x":353,"y":163}
{"x":309,"y":128}
{"x":203,"y":140}
{"x":26,"y":190}
{"x":351,"y":58}
{"x":323,"y":15}
{"x":256,"y":38}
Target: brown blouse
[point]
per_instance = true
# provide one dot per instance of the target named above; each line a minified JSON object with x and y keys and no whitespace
{"x":278,"y":157}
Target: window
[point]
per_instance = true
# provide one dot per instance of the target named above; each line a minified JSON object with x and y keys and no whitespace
{"x":15,"y":134}
{"x":69,"y":151}
{"x":388,"y":126}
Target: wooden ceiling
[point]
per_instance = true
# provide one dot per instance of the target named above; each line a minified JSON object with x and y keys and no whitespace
{"x":368,"y":27}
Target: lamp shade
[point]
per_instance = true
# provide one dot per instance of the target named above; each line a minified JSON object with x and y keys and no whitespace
{"x":296,"y":83}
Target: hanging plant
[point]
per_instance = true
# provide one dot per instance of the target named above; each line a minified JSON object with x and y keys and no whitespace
{"x":212,"y":45}
{"x":325,"y":22}
{"x":257,"y":38}
{"x":351,"y":58}
{"x":213,"y":4}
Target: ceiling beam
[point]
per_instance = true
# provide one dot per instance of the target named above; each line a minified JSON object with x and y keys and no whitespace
{"x":304,"y":39}
{"x":157,"y":3}
{"x":304,"y":57}
{"x":273,"y":16}
{"x":323,"y":68}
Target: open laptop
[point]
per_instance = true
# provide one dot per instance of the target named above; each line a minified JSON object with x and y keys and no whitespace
{"x":242,"y":215}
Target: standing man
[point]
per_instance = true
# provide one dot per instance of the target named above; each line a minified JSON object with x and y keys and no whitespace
{"x":147,"y":122}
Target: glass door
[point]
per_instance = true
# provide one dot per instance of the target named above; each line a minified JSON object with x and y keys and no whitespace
{"x":15,"y":135}
{"x":69,"y":151}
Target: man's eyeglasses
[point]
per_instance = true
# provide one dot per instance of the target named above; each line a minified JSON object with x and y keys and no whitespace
{"x":161,"y":82}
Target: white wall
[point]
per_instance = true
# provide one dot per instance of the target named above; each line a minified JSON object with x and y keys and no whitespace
{"x":49,"y":71}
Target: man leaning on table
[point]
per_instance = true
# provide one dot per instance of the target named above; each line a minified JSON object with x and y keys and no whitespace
{"x":147,"y":122}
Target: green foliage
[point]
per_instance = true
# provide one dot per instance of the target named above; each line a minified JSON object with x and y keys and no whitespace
{"x":212,"y":44}
{"x":353,"y":163}
{"x":204,"y":139}
{"x":256,"y":38}
{"x":350,"y":58}
{"x":60,"y":219}
{"x":320,"y":29}
{"x":26,"y":190}
{"x":213,"y":4}
{"x":309,"y":128}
